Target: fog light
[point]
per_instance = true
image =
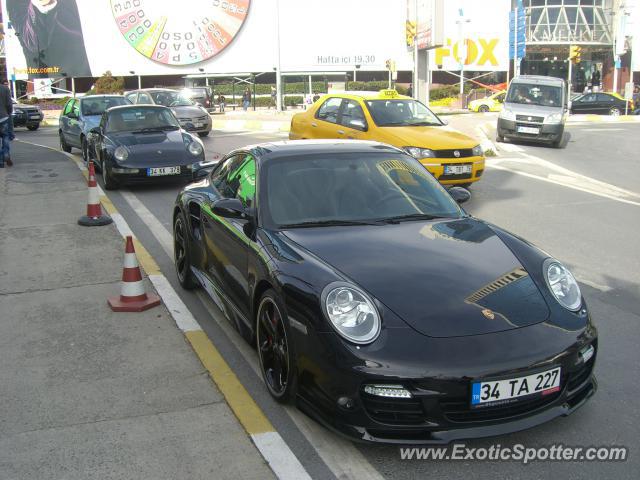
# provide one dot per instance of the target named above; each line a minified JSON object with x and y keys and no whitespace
{"x":391,"y":391}
{"x":586,"y":353}
{"x":346,"y":402}
{"x":124,"y":170}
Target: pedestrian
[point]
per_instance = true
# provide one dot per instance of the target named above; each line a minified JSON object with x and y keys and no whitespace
{"x":6,"y":125}
{"x":636,"y":100}
{"x":595,"y":80}
{"x":221,"y":102}
{"x":274,"y":94}
{"x":410,"y":90}
{"x":246,"y":99}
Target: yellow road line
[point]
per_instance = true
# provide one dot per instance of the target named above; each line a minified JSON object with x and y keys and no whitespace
{"x":243,"y":406}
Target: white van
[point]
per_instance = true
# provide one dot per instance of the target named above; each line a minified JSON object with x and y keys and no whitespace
{"x":535,"y":109}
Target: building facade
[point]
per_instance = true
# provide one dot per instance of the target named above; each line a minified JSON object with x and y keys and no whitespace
{"x":552,"y":26}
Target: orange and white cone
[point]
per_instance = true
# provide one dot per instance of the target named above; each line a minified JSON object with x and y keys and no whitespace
{"x":132,"y":297}
{"x":94,"y":216}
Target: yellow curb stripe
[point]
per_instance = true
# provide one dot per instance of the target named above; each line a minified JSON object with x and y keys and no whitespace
{"x":108,"y":205}
{"x":145,"y":259}
{"x":243,"y":406}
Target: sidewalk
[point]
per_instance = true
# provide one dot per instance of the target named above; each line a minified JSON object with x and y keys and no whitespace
{"x":87,"y":393}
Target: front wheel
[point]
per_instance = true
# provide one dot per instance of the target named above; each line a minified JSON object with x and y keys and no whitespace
{"x":33,"y":127}
{"x":204,"y":134}
{"x":483,"y":109}
{"x":109,"y":182}
{"x":182,"y":254}
{"x":614,"y":111}
{"x":275,"y":350}
{"x":85,"y":150}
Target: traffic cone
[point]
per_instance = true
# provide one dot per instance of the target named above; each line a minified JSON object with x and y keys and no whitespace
{"x":132,"y":297}
{"x":94,"y":216}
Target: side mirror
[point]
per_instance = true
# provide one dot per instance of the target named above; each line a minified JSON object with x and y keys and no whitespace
{"x":459,"y":194}
{"x":201,"y":173}
{"x":229,"y":208}
{"x":72,"y":115}
{"x":444,"y":121}
{"x":96,"y":130}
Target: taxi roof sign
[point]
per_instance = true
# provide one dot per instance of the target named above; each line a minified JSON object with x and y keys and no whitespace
{"x":389,"y":93}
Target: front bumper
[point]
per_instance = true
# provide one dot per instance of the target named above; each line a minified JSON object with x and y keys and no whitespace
{"x":437,"y":166}
{"x":199,"y":125}
{"x":548,"y":133}
{"x":140,"y":176}
{"x":439,"y":411}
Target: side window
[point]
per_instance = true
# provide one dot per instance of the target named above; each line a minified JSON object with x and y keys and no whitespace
{"x":76,"y":109}
{"x":605,"y":98}
{"x":132,"y":97}
{"x":353,"y":116}
{"x":236,"y":178}
{"x":68,"y":107}
{"x":588,"y":98}
{"x":328,"y":111}
{"x":144,"y":98}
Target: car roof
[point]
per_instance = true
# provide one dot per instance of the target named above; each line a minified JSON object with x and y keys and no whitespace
{"x":103,"y":95}
{"x":272,"y":150}
{"x":539,"y":79}
{"x":131,"y":107}
{"x":366,"y":95}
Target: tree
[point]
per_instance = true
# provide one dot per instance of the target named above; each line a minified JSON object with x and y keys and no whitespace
{"x":107,"y":83}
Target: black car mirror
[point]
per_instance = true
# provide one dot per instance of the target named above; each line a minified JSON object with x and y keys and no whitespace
{"x":96,"y":130}
{"x":229,"y":208}
{"x":201,"y":173}
{"x":459,"y":194}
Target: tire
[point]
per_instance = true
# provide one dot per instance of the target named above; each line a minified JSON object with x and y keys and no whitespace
{"x":499,"y":138}
{"x":483,"y":109}
{"x":464,"y":185}
{"x":33,"y":127}
{"x":108,"y":181}
{"x":275,"y":348}
{"x":182,"y":254}
{"x":614,"y":111}
{"x":204,"y":134}
{"x":63,"y":144}
{"x":84,"y":149}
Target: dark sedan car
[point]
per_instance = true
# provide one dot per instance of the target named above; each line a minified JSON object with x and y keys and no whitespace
{"x":375,"y":302}
{"x":28,"y":116}
{"x":601,"y":104}
{"x":139,"y":143}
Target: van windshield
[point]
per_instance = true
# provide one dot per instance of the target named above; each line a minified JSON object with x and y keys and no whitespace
{"x":543,"y":95}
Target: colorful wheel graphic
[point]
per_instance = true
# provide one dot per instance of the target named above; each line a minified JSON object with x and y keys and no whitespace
{"x":182,"y":32}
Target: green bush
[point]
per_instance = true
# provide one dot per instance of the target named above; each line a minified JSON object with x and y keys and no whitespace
{"x":107,"y":83}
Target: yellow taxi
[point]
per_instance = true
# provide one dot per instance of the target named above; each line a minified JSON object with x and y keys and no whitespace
{"x":388,"y":117}
{"x":492,"y":103}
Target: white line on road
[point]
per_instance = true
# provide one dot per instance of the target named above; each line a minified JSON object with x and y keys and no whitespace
{"x":341,"y":457}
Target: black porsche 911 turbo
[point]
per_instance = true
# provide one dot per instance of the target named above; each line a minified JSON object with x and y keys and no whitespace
{"x":141,"y":143}
{"x":375,"y":302}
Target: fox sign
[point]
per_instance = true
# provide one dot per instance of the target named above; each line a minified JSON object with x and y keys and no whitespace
{"x":474,"y":36}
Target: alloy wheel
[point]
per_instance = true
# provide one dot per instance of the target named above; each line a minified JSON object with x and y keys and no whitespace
{"x":273,"y":348}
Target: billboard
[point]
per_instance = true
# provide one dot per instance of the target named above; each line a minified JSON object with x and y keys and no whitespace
{"x":83,"y":38}
{"x":475,"y":36}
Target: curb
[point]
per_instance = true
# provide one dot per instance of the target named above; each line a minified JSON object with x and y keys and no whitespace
{"x":282,"y":461}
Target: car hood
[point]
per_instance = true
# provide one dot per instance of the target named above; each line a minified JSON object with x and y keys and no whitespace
{"x":188,"y":112}
{"x":154,"y":148}
{"x":444,"y":278}
{"x":435,"y":138}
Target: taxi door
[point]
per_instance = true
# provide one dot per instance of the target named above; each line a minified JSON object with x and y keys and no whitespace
{"x":352,"y":120}
{"x":325,"y":123}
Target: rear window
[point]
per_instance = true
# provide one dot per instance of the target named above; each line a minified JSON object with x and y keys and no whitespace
{"x":98,"y":105}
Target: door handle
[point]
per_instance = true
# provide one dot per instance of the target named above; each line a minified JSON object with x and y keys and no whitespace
{"x":340,"y":132}
{"x":313,"y":124}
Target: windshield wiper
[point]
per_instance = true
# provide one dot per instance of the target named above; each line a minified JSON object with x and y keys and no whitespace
{"x":149,"y":130}
{"x":330,"y":223}
{"x":424,"y":124}
{"x":412,"y":216}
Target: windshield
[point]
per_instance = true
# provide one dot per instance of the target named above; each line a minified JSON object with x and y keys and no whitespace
{"x":97,"y":106}
{"x":352,"y":187}
{"x":141,"y":119}
{"x":170,"y":99}
{"x":543,"y":95}
{"x":403,"y":112}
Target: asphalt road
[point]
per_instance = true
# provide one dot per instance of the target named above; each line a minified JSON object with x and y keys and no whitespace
{"x":580,"y":203}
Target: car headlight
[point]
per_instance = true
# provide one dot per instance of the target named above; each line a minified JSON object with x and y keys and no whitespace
{"x":351,"y":312}
{"x":121,"y":153}
{"x":554,"y":118}
{"x":476,"y":151}
{"x":506,"y":114}
{"x":417,"y":152}
{"x":195,"y":148}
{"x":17,"y":111}
{"x":562,"y":284}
